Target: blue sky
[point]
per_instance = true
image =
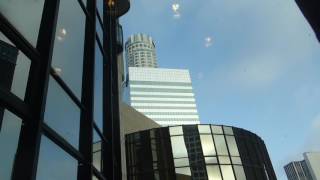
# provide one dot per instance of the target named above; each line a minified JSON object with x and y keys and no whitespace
{"x":260,"y":71}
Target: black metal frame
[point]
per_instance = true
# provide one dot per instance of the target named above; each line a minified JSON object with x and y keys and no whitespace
{"x":31,"y":109}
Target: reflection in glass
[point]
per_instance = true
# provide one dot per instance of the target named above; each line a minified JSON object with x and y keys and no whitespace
{"x":204,"y":129}
{"x":62,"y":114}
{"x":224,"y":160}
{"x":181,"y":162}
{"x":239,"y":171}
{"x":227,"y":130}
{"x":176,"y":130}
{"x":227,"y":172}
{"x":96,"y":157}
{"x":54,"y":163}
{"x":214,"y":173}
{"x":69,"y":44}
{"x":98,"y":70}
{"x":16,"y":10}
{"x":184,"y":171}
{"x":232,"y":145}
{"x":178,"y":147}
{"x":9,"y":137}
{"x":236,"y":160}
{"x":207,"y":145}
{"x":19,"y":67}
{"x":220,"y":144}
{"x":216,"y":129}
{"x":211,"y":160}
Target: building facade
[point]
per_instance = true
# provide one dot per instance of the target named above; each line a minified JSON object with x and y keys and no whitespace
{"x":307,"y":169}
{"x":297,"y":170}
{"x":54,"y":55}
{"x":140,"y":51}
{"x":197,"y":152}
{"x":164,"y":95}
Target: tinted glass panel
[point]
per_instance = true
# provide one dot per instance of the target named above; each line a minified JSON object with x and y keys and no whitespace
{"x":68,"y":47}
{"x":98,"y":87}
{"x":62,"y":114}
{"x":178,"y":147}
{"x":232,"y":145}
{"x":54,"y":163}
{"x":184,"y":171}
{"x":181,"y":162}
{"x":221,"y":145}
{"x":204,"y":129}
{"x":25,"y":16}
{"x":216,"y":129}
{"x":214,"y":173}
{"x":97,"y":155}
{"x":207,"y":145}
{"x":227,"y":172}
{"x":238,"y":170}
{"x":177,"y":130}
{"x":14,"y":68}
{"x":228,"y":130}
{"x":236,"y":160}
{"x":9,"y":137}
{"x":211,"y":160}
{"x":224,"y":160}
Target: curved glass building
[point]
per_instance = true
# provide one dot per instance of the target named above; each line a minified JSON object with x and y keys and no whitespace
{"x":140,"y":51}
{"x":197,"y":152}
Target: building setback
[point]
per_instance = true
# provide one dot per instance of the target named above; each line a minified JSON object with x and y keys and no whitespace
{"x":164,"y":95}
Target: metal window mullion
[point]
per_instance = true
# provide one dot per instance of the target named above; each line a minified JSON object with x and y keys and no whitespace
{"x":85,"y":171}
{"x":27,"y":155}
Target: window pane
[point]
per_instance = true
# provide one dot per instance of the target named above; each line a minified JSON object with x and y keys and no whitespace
{"x":239,"y":171}
{"x":181,"y":162}
{"x":98,"y":105}
{"x":211,"y":160}
{"x":227,"y":172}
{"x":25,"y":16}
{"x":216,"y":129}
{"x":220,"y":144}
{"x":228,"y":130}
{"x":14,"y":68}
{"x":68,"y":47}
{"x":97,"y":155}
{"x":177,"y":130}
{"x":214,"y":173}
{"x":99,"y":29}
{"x":184,"y":171}
{"x":9,"y":137}
{"x":178,"y":147}
{"x":224,"y":160}
{"x":207,"y":145}
{"x":62,"y":114}
{"x":54,"y":163}
{"x":204,"y":129}
{"x":232,"y":145}
{"x":236,"y":160}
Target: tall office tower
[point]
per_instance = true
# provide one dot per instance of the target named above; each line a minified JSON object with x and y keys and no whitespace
{"x":8,"y":58}
{"x":313,"y":163}
{"x":297,"y":170}
{"x":163,"y":95}
{"x":140,"y":51}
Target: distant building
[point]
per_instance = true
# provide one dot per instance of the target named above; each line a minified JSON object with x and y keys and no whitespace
{"x":197,"y":152}
{"x":313,"y":163}
{"x":307,"y":169}
{"x":140,"y":51}
{"x":164,"y":95}
{"x":8,"y":58}
{"x":297,"y":170}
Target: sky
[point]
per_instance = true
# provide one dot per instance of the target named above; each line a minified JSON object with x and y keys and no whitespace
{"x":254,"y":64}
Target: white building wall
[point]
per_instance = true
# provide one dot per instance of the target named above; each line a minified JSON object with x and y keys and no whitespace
{"x":164,"y":95}
{"x":313,"y":162}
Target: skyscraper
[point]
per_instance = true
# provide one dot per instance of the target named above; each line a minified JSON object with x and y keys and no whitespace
{"x":297,"y":170}
{"x":8,"y":58}
{"x":307,"y":169}
{"x":164,"y":95}
{"x":140,"y":51}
